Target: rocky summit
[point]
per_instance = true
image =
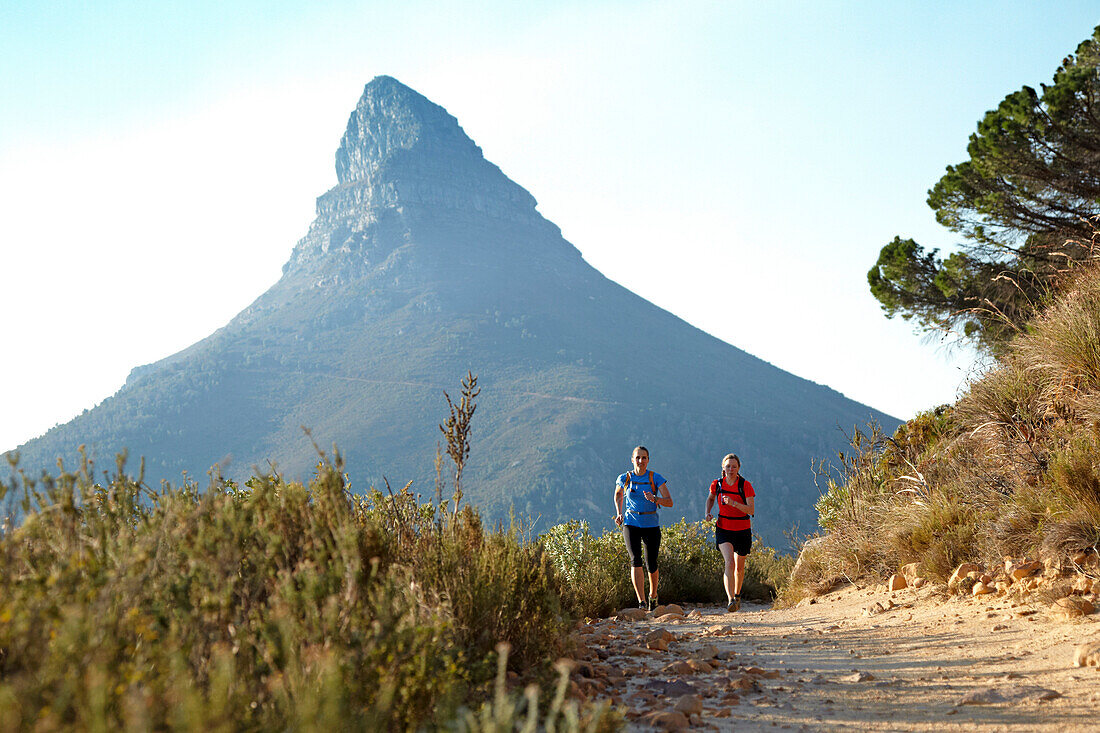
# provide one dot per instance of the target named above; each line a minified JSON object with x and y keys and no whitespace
{"x":425,"y":261}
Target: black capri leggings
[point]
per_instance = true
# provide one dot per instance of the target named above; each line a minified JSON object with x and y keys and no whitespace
{"x":636,"y":537}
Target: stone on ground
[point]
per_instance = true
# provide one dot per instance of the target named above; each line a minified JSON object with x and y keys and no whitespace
{"x":699,"y":667}
{"x":1008,"y":693}
{"x":678,"y":667}
{"x":1087,"y":654}
{"x":1083,"y":585}
{"x":670,"y":720}
{"x":631,"y":614}
{"x":708,"y":651}
{"x":858,"y":677}
{"x":1071,"y":607}
{"x":689,"y":705}
{"x":961,"y":573}
{"x":1020,"y":569}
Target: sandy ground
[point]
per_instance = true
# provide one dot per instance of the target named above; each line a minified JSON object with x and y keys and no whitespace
{"x":928,"y":663}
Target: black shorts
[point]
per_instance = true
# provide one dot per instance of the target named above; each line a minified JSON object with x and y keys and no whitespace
{"x":741,"y":539}
{"x":635,"y":537}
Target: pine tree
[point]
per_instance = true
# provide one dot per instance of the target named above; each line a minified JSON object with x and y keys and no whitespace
{"x":1026,"y":204}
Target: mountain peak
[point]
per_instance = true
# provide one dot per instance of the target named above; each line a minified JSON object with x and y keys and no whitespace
{"x":391,"y":118}
{"x":405,"y":161}
{"x":426,"y":262}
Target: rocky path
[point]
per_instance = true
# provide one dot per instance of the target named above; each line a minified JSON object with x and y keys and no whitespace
{"x":857,"y":659}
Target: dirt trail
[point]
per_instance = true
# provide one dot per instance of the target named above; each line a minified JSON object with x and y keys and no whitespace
{"x":986,"y":664}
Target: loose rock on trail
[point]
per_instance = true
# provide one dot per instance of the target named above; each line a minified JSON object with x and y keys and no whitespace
{"x":854,"y":659}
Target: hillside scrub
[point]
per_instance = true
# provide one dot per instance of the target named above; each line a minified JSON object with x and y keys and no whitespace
{"x":277,"y":604}
{"x":1012,"y":469}
{"x":268,"y":605}
{"x":596,"y":572}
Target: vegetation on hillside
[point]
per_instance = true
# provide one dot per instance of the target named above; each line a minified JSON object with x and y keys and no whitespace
{"x":596,"y":571}
{"x":1012,"y":469}
{"x":276,"y":604}
{"x":1025,"y":203}
{"x":261,"y":606}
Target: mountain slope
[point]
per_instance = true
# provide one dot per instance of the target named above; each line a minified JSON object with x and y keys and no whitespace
{"x":426,"y":261}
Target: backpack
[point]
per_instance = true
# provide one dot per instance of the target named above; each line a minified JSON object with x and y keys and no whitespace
{"x":630,"y":484}
{"x":739,"y":493}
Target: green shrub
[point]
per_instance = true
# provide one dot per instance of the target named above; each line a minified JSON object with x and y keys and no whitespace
{"x":943,"y":534}
{"x":1075,"y":475}
{"x":690,"y":565}
{"x":498,"y":588}
{"x":766,"y":573}
{"x":271,"y":605}
{"x":1069,"y":512}
{"x":855,"y":485}
{"x":596,"y":572}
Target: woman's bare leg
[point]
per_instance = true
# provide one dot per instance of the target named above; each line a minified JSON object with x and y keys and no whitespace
{"x":727,"y":574}
{"x":738,"y":572}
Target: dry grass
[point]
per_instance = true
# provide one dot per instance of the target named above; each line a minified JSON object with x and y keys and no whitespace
{"x":1012,"y":469}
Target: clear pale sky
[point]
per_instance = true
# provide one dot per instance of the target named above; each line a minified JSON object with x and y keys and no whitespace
{"x":737,"y":163}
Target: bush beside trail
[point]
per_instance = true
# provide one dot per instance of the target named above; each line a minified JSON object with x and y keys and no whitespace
{"x":285,"y":605}
{"x":270,"y":605}
{"x":596,"y":572}
{"x":279,"y":604}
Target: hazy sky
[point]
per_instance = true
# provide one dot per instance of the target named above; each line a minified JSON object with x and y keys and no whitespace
{"x":737,"y":163}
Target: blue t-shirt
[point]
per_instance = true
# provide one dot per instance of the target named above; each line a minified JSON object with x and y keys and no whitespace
{"x":634,"y":500}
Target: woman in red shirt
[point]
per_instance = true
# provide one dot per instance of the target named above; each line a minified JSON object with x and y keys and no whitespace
{"x":733,"y":535}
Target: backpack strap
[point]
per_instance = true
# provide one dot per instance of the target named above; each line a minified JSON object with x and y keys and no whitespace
{"x":740,"y":493}
{"x":630,"y":484}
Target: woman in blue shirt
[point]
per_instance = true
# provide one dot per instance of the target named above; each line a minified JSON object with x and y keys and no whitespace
{"x":638,"y":493}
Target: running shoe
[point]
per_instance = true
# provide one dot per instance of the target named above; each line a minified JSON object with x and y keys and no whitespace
{"x":731,"y":606}
{"x":736,"y":603}
{"x":643,"y":605}
{"x":652,"y":602}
